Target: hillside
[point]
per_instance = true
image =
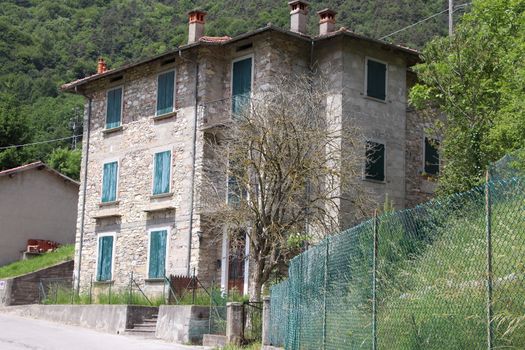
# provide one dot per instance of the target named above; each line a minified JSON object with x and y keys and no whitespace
{"x":45,"y":43}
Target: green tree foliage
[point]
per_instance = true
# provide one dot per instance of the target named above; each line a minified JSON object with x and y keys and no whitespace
{"x":13,"y":130}
{"x":66,"y":161}
{"x":44,"y":43}
{"x":477,"y":79}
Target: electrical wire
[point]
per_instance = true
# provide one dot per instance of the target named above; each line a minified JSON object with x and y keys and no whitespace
{"x":39,"y":142}
{"x":425,"y":19}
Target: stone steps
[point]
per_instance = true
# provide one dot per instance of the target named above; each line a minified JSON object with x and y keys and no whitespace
{"x":145,"y":329}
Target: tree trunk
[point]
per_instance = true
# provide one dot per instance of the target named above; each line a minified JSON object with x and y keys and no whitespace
{"x":256,"y":281}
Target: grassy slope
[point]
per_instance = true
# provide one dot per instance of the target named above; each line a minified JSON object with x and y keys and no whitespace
{"x":438,"y":300}
{"x":17,"y":268}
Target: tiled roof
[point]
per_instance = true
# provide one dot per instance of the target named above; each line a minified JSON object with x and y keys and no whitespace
{"x":37,"y":165}
{"x":207,"y":40}
{"x":215,"y":39}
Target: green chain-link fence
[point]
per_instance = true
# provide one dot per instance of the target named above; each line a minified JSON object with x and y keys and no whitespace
{"x":448,"y":274}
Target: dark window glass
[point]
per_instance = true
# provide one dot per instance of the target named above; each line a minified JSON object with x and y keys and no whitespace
{"x":241,"y":84}
{"x":376,"y":79}
{"x":431,"y":156}
{"x":375,"y":161}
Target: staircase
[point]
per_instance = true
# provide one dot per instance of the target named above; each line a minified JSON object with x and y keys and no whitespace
{"x":146,"y":329}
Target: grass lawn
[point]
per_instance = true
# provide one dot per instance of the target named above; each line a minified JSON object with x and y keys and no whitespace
{"x":22,"y":267}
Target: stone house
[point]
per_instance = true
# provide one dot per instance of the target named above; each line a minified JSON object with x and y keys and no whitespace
{"x":143,"y":147}
{"x":36,"y":202}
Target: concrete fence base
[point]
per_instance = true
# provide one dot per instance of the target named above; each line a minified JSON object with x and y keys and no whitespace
{"x":183,"y":323}
{"x":106,"y":318}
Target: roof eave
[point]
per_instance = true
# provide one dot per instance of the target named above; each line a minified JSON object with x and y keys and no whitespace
{"x":74,"y":86}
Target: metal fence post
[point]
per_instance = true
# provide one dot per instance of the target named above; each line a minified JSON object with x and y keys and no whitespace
{"x":374,"y":283}
{"x":193,"y":286}
{"x":488,"y":232}
{"x":325,"y":291}
{"x":91,"y":289}
{"x":130,"y":296}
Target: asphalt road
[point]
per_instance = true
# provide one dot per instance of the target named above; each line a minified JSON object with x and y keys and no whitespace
{"x":17,"y":333}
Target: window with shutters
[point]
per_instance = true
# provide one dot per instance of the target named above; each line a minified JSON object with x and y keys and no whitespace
{"x":158,"y":240}
{"x":431,"y":156}
{"x":114,"y":108}
{"x":162,"y":172}
{"x":241,"y":84}
{"x":375,"y":161}
{"x":105,"y":257}
{"x":166,"y":93}
{"x":110,"y":182}
{"x":376,"y":79}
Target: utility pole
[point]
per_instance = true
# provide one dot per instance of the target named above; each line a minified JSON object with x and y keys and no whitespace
{"x":450,"y":18}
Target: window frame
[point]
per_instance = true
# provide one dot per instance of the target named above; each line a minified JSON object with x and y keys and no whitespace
{"x":387,"y":68}
{"x":423,"y":170}
{"x":173,"y":109}
{"x":113,"y":248}
{"x":104,"y":162}
{"x":168,"y":235}
{"x":381,"y":142}
{"x":121,"y":106}
{"x":155,"y":152}
{"x":252,"y":72}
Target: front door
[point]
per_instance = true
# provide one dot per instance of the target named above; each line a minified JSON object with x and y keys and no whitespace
{"x":236,"y":270}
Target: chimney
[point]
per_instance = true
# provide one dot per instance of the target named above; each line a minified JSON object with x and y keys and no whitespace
{"x":196,"y":29}
{"x":326,"y":21}
{"x":298,"y":19}
{"x":101,"y":66}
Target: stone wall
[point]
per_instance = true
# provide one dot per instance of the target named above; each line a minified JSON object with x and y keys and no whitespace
{"x":24,"y":289}
{"x":136,"y":212}
{"x":419,"y":186}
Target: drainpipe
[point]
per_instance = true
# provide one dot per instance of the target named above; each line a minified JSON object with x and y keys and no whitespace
{"x":84,"y":190}
{"x":194,"y":138}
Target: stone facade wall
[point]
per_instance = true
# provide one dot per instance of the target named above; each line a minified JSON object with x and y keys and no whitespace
{"x":141,"y":135}
{"x":134,"y":147}
{"x":419,"y":187}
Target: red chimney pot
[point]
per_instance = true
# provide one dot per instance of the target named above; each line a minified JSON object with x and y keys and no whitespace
{"x":101,"y":67}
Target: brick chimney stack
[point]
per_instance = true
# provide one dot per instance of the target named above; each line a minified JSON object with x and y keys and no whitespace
{"x":326,"y":21}
{"x":196,"y":22}
{"x":101,"y":66}
{"x":298,"y":16}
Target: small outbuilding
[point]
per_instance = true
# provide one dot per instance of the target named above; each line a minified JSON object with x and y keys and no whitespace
{"x":36,"y":202}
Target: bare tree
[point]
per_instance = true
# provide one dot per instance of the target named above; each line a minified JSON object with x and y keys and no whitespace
{"x":290,"y":165}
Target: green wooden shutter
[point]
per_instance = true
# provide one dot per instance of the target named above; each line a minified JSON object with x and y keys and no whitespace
{"x":109,"y":182}
{"x":431,"y":157}
{"x":375,"y":161}
{"x":157,"y":254}
{"x":114,"y":108}
{"x":376,"y":80}
{"x":161,"y":180}
{"x":105,"y":257}
{"x":165,"y":91}
{"x":241,"y":84}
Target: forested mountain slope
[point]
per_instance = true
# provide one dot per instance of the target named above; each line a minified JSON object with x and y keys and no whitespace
{"x":44,"y":43}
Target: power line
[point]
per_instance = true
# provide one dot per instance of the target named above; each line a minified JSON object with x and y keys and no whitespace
{"x":39,"y":142}
{"x":457,"y":7}
{"x":414,"y":24}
